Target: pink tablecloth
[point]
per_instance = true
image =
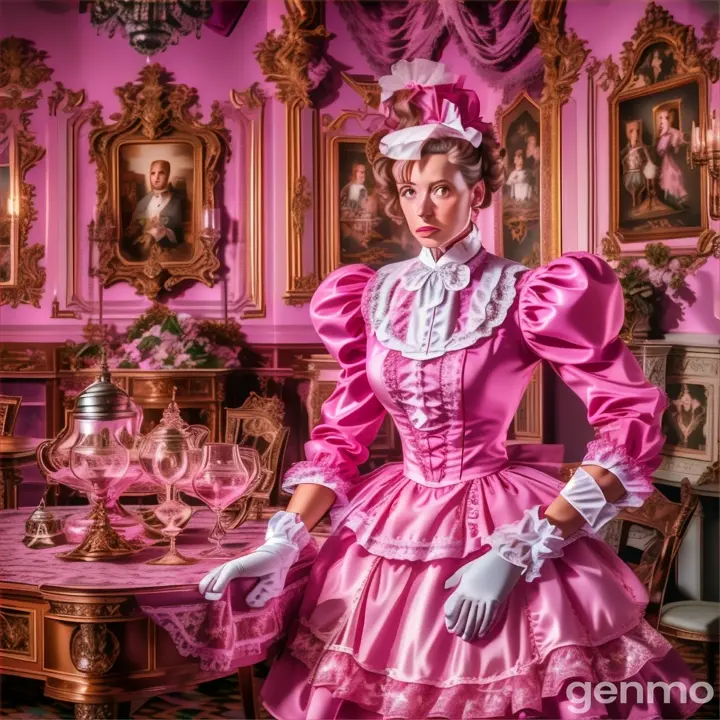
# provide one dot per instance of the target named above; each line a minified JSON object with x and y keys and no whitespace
{"x":223,"y":635}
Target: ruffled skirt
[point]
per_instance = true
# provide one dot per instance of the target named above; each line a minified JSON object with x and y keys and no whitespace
{"x":370,"y":639}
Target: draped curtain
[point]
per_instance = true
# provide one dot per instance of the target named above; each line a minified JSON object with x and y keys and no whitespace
{"x":494,"y":36}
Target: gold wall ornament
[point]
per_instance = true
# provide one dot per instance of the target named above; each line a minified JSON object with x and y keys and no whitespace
{"x":366,"y":87}
{"x":158,"y":122}
{"x":250,"y":103}
{"x":22,"y":69}
{"x":564,"y":54}
{"x":73,"y":99}
{"x":658,"y":89}
{"x":285,"y":60}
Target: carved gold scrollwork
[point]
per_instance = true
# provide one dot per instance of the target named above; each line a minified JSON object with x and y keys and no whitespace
{"x":22,"y":69}
{"x":564,"y":54}
{"x":93,"y":648}
{"x":73,"y":99}
{"x":155,"y":109}
{"x":285,"y":60}
{"x":94,"y":711}
{"x":14,"y":632}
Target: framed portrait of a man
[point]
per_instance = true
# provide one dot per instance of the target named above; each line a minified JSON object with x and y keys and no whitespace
{"x":157,"y":187}
{"x":155,"y":182}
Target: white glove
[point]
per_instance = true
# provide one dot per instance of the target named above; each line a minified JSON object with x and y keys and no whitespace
{"x":517,"y":549}
{"x":482,"y":587}
{"x":285,"y":537}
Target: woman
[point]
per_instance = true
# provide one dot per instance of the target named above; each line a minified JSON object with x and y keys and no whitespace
{"x":458,"y":584}
{"x":670,"y":141}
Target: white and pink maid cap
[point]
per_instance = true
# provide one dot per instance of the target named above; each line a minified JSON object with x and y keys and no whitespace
{"x":448,"y":110}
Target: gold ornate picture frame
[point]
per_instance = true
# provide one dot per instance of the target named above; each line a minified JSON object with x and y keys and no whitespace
{"x":518,"y":229}
{"x":22,"y":69}
{"x":157,"y":167}
{"x":660,"y":88}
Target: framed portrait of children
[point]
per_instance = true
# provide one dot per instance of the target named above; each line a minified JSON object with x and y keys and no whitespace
{"x":517,"y":218}
{"x":356,"y":228}
{"x":157,"y":167}
{"x":661,"y":90}
{"x":655,"y":192}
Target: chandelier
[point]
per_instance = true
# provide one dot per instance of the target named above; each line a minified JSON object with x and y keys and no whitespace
{"x":150,"y":25}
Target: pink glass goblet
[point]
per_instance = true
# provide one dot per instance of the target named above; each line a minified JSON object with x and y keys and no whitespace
{"x":222,"y":479}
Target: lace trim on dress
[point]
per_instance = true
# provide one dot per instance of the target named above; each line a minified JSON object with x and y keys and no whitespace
{"x":635,"y":476}
{"x":317,"y":473}
{"x":492,"y":294}
{"x":524,"y":688}
{"x":219,"y":637}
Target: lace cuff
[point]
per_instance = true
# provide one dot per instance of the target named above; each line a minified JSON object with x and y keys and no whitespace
{"x":286,"y":528}
{"x":318,"y":474}
{"x":529,"y":542}
{"x":587,"y":497}
{"x":634,"y":476}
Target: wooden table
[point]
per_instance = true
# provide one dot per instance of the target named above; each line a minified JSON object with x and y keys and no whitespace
{"x":15,"y":451}
{"x":97,"y":633}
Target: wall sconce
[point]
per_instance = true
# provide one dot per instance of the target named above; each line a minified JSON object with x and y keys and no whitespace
{"x":704,"y":149}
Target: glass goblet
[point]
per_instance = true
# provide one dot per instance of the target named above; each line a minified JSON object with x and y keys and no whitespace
{"x":169,"y":464}
{"x":222,"y":479}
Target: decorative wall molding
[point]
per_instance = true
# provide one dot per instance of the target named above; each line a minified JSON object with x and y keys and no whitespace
{"x":564,"y":54}
{"x":249,"y":106}
{"x":286,"y":60}
{"x":22,"y":69}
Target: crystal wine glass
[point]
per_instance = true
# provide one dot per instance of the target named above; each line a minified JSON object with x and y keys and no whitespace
{"x":224,"y":477}
{"x":169,"y":464}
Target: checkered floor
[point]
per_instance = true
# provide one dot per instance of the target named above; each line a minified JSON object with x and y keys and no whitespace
{"x":22,"y":699}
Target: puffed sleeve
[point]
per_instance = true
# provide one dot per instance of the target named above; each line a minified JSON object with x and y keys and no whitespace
{"x":351,"y":417}
{"x":570,"y":314}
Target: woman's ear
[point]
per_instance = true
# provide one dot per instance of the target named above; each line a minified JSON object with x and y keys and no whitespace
{"x":478,"y":194}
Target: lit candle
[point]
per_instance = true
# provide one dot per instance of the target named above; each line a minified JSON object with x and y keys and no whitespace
{"x":693,"y":145}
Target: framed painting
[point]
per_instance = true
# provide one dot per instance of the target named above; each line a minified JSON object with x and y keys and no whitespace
{"x":517,"y":217}
{"x":655,"y":194}
{"x":157,"y":168}
{"x":660,"y":88}
{"x":356,"y":229}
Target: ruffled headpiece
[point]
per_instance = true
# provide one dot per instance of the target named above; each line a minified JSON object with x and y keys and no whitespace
{"x":448,"y":110}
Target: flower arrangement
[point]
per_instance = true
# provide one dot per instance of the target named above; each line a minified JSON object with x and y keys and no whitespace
{"x":160,"y":339}
{"x":646,"y":282}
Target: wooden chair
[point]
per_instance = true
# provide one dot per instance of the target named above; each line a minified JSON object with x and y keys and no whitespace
{"x":9,"y":409}
{"x":257,"y":423}
{"x":648,"y":539}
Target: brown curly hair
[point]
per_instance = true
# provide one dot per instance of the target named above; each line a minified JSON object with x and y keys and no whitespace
{"x":485,"y":162}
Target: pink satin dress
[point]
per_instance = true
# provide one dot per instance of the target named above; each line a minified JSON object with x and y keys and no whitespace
{"x":448,"y":353}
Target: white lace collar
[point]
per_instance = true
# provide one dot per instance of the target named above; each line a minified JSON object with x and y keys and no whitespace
{"x":425,"y":311}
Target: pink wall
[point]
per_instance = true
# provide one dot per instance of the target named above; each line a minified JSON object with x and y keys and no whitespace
{"x":215,"y":65}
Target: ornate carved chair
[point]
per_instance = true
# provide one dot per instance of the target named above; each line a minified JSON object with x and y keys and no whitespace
{"x":648,"y":539}
{"x":9,"y":409}
{"x":258,"y":424}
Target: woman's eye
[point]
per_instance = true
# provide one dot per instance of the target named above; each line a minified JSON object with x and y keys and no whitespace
{"x":442,"y":190}
{"x":407,"y":192}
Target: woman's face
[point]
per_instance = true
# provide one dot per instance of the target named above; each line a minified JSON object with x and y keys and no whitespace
{"x":360,"y":174}
{"x":519,"y":161}
{"x":663,"y":121}
{"x":436,"y":201}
